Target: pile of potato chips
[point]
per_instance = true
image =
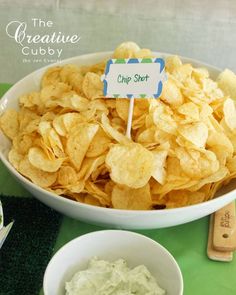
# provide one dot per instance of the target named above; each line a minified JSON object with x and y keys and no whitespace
{"x":70,"y":140}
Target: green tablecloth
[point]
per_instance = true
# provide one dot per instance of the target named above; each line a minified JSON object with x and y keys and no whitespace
{"x":187,"y":243}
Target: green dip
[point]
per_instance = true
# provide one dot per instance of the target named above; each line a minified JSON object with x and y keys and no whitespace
{"x":113,"y":278}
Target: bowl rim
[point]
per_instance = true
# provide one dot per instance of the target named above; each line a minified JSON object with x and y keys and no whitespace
{"x":111,"y":231}
{"x":27,"y":182}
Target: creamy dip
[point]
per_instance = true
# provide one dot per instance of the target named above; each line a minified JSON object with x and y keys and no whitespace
{"x":113,"y":278}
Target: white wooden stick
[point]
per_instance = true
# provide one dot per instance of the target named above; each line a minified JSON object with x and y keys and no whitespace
{"x":130,"y":117}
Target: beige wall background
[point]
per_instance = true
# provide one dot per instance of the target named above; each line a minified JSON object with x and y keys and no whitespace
{"x":205,"y":30}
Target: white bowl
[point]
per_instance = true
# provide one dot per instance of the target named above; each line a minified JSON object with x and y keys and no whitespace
{"x":111,"y":245}
{"x":103,"y":216}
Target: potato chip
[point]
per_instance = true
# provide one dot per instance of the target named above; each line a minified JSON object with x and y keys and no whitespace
{"x":159,"y":172}
{"x":190,"y":110}
{"x":140,"y":107}
{"x":67,"y":72}
{"x":53,"y":92}
{"x":37,"y":176}
{"x":196,"y":133}
{"x":126,"y":50}
{"x":31,"y":100}
{"x":39,"y":159}
{"x":163,"y":119}
{"x":181,"y":198}
{"x":227,"y":82}
{"x":215,"y":177}
{"x":23,"y":142}
{"x":97,"y":68}
{"x":171,"y":93}
{"x":220,"y":140}
{"x":98,"y":193}
{"x":55,"y":143}
{"x":231,"y":164}
{"x":15,"y":158}
{"x":124,"y":197}
{"x":195,"y":163}
{"x":51,"y":76}
{"x":9,"y":123}
{"x":66,"y":176}
{"x":90,"y":165}
{"x":130,"y":164}
{"x":176,"y":198}
{"x":75,"y":188}
{"x":230,"y":114}
{"x":99,"y":144}
{"x":78,"y":143}
{"x":183,"y":72}
{"x":90,"y":200}
{"x":122,"y":108}
{"x":172,"y":62}
{"x":76,"y":81}
{"x":92,"y":86}
{"x":112,"y":131}
{"x":143,"y":53}
{"x":100,"y":172}
{"x":147,"y":135}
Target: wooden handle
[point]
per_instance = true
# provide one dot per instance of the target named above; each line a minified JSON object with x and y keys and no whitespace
{"x":213,"y":254}
{"x":224,"y":230}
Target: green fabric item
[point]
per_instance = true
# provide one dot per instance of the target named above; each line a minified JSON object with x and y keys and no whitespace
{"x":187,"y":243}
{"x":29,"y":245}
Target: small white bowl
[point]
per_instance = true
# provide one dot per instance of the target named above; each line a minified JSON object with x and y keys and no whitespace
{"x":111,"y":245}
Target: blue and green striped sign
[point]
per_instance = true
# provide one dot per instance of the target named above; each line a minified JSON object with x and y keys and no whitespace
{"x":134,"y":77}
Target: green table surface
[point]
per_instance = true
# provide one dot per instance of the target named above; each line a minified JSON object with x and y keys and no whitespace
{"x":187,"y":243}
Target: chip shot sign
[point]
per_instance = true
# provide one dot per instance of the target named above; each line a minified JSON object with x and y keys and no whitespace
{"x":133,"y":78}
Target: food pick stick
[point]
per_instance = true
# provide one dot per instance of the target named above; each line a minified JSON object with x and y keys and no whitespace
{"x":224,"y":231}
{"x":133,"y":77}
{"x":130,"y":117}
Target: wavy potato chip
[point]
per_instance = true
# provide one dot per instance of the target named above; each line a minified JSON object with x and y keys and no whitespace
{"x":78,"y":142}
{"x":121,"y":138}
{"x":130,"y":164}
{"x":37,"y":176}
{"x":15,"y":158}
{"x":90,"y":165}
{"x":190,"y":110}
{"x":51,"y":76}
{"x":63,"y":124}
{"x":99,"y":144}
{"x":124,"y":197}
{"x":66,"y":176}
{"x":126,"y":50}
{"x":197,"y":164}
{"x":31,"y":100}
{"x":98,"y":193}
{"x":90,"y":200}
{"x":9,"y":123}
{"x":196,"y":133}
{"x":92,"y":86}
{"x":230,"y":114}
{"x":171,"y":94}
{"x":227,"y":82}
{"x":159,"y":172}
{"x":51,"y":93}
{"x":23,"y":142}
{"x":39,"y":159}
